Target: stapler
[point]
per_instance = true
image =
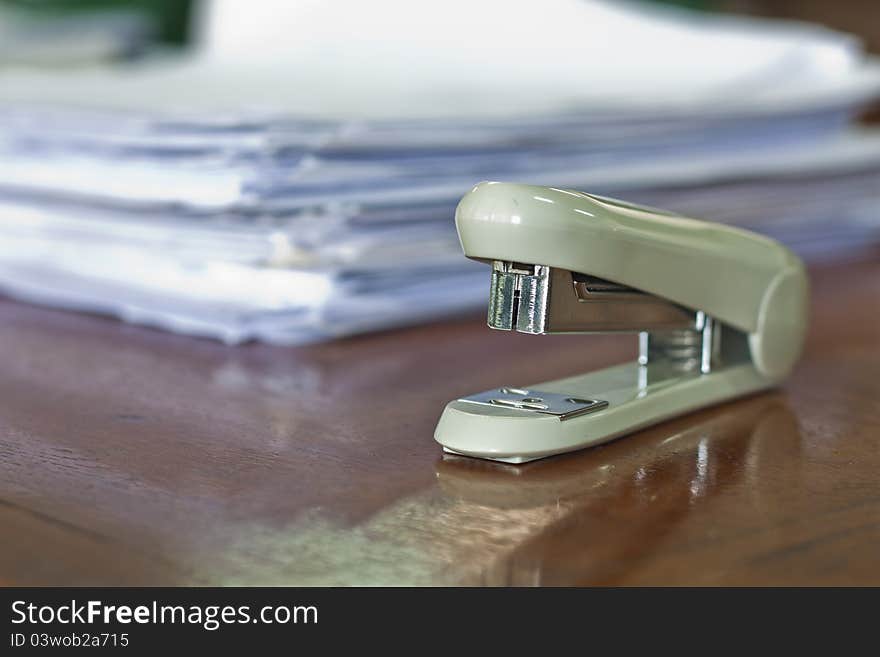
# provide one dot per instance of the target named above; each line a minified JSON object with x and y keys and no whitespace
{"x":719,"y":313}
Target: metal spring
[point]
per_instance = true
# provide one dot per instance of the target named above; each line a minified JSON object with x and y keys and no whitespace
{"x":686,"y":350}
{"x":683,"y":348}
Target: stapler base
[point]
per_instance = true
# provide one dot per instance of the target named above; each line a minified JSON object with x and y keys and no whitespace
{"x":515,"y":460}
{"x":622,"y":399}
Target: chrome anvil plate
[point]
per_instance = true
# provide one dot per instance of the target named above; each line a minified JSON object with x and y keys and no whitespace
{"x":537,"y":401}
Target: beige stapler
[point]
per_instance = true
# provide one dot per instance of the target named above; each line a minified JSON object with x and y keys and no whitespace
{"x":719,"y":313}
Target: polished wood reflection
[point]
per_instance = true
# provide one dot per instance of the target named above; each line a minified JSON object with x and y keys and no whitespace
{"x":128,"y":456}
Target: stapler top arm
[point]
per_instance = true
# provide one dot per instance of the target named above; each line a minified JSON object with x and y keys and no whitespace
{"x":744,"y":280}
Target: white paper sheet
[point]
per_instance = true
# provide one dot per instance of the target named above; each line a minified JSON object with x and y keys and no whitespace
{"x":296,"y":180}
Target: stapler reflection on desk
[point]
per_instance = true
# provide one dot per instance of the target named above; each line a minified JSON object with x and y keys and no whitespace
{"x":719,"y":313}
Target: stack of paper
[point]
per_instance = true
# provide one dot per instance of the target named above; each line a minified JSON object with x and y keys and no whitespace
{"x":300,"y":184}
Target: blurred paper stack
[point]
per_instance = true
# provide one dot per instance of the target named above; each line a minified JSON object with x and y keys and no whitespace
{"x":296,"y":179}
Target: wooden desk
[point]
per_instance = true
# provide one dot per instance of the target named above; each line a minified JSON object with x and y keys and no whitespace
{"x":128,"y":456}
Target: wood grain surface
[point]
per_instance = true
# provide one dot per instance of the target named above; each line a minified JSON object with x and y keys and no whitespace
{"x":132,"y":457}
